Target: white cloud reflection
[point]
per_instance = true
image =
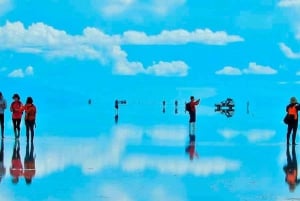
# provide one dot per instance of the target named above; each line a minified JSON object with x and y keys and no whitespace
{"x":95,"y":154}
{"x":252,"y":135}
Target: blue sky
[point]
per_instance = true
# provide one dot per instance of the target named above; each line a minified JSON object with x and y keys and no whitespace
{"x":137,"y":44}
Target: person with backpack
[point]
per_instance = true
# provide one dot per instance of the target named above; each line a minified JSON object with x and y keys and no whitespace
{"x":191,"y":108}
{"x":30,"y":113}
{"x":2,"y":108}
{"x":16,"y":108}
{"x":292,"y":122}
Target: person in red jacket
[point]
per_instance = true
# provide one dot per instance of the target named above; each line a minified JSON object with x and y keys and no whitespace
{"x":30,"y":113}
{"x":292,"y":125}
{"x":16,"y":108}
{"x":16,"y":169}
{"x":192,"y":112}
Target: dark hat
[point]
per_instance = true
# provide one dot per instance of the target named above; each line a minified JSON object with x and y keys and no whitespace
{"x":0,"y":93}
{"x":16,"y":96}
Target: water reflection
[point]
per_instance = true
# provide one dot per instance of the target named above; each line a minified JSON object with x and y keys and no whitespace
{"x":191,"y":149}
{"x":16,"y":169}
{"x":291,"y":169}
{"x":29,"y":163}
{"x":2,"y":166}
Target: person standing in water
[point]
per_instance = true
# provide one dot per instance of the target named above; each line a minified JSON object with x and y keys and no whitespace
{"x":30,"y":113}
{"x":16,"y":108}
{"x":2,"y":109}
{"x":191,"y":108}
{"x":292,"y":124}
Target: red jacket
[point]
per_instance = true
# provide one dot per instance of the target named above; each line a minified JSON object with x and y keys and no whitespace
{"x":16,"y":108}
{"x":30,"y":112}
{"x":193,"y":104}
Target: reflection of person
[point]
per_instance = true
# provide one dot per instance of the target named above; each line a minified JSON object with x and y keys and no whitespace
{"x":192,"y":112}
{"x":2,"y":167}
{"x":29,"y":163}
{"x":291,"y":169}
{"x":16,"y":169}
{"x":2,"y":108}
{"x":16,"y":108}
{"x":30,"y":113}
{"x":190,"y":149}
{"x":292,"y":111}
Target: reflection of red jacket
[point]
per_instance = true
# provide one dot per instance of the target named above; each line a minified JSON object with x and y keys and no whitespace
{"x":192,"y":152}
{"x":16,"y":170}
{"x":29,"y":169}
{"x":16,"y":108}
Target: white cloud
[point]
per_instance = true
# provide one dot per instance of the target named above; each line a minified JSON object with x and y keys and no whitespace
{"x":20,"y":73}
{"x":29,"y":70}
{"x":134,"y":9}
{"x":253,"y":135}
{"x":253,"y":68}
{"x":175,"y":68}
{"x":5,"y":6}
{"x":229,"y":70}
{"x":180,"y":36}
{"x":289,"y":3}
{"x":94,"y":44}
{"x":288,"y":52}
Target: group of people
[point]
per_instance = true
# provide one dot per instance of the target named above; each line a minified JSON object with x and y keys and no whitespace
{"x":18,"y":109}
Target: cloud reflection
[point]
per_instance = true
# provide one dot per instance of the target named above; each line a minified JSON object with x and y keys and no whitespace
{"x":110,"y":151}
{"x":179,"y":166}
{"x":252,"y":135}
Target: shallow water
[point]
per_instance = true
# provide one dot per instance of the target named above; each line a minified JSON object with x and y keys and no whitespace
{"x":143,"y":157}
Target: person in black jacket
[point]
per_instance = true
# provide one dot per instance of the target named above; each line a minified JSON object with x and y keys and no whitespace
{"x":292,"y":124}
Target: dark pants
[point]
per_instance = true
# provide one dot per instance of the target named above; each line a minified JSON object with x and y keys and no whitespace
{"x":292,"y":128}
{"x":2,"y":124}
{"x":29,"y":128}
{"x":16,"y":125}
{"x":192,"y":116}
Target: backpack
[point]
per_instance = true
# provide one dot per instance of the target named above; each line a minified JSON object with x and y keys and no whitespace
{"x":187,"y":107}
{"x":291,"y":115}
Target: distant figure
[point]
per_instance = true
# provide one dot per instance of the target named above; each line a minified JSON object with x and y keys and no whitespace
{"x":30,"y":115}
{"x":291,"y":169}
{"x":248,"y":111}
{"x":89,"y":101}
{"x":2,"y":109}
{"x":16,"y":169}
{"x":2,"y":167}
{"x":292,"y":124}
{"x":16,"y":108}
{"x":29,"y":163}
{"x":164,"y":107}
{"x":190,"y":149}
{"x":191,"y":108}
{"x":176,"y":107}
